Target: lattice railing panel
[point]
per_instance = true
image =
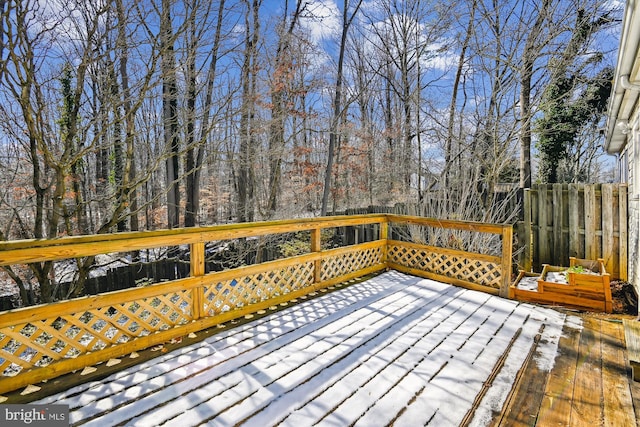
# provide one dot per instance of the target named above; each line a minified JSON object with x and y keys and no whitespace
{"x":39,"y":343}
{"x":239,"y":292}
{"x":461,"y":267}
{"x":340,"y":265}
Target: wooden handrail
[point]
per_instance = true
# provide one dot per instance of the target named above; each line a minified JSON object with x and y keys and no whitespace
{"x":482,"y":227}
{"x":28,"y":251}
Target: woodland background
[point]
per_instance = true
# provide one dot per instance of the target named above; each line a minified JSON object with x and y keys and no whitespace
{"x":144,"y":114}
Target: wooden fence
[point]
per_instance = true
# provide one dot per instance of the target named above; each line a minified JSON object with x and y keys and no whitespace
{"x":42,"y":342}
{"x":587,"y":221}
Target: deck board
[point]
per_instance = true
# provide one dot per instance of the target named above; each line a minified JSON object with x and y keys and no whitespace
{"x":590,"y":382}
{"x":395,"y":349}
{"x":618,"y":403}
{"x":523,"y":408}
{"x":587,"y":395}
{"x":558,"y":396}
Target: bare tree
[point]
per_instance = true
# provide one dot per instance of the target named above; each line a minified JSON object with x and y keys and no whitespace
{"x":282,"y":73}
{"x":170,"y":114}
{"x":337,"y":115}
{"x":196,"y":147}
{"x":572,"y":95}
{"x":531,"y":51}
{"x":55,"y":135}
{"x":129,"y":109}
{"x":5,"y":8}
{"x":450,"y":155}
{"x":246,"y":172}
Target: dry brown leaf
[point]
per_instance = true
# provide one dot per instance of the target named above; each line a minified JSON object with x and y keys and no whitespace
{"x":113,"y":362}
{"x":30,"y":389}
{"x":88,"y":370}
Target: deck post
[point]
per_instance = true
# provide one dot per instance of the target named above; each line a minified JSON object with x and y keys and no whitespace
{"x":316,"y":246}
{"x":507,"y":250}
{"x":384,"y":235}
{"x":197,"y":269}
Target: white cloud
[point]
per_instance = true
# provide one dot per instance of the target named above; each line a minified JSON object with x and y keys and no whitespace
{"x":614,"y":4}
{"x":441,"y":57}
{"x":64,"y":24}
{"x":437,"y":52}
{"x":322,"y":20}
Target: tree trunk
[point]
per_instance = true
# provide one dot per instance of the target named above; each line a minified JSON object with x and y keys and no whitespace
{"x":129,"y":172}
{"x":281,"y":75}
{"x":337,"y":103}
{"x":246,"y":178}
{"x":194,"y":165}
{"x":191,"y":207}
{"x":448,"y":156}
{"x":170,"y":116}
{"x":529,"y":55}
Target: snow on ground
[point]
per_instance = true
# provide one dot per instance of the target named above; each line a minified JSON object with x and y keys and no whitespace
{"x":394,"y":349}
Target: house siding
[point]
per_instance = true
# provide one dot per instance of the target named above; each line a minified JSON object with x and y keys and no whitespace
{"x":630,"y":160}
{"x":623,"y":130}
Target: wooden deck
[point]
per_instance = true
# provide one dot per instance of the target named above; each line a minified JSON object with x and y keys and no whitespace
{"x":590,"y":383}
{"x":396,"y":350}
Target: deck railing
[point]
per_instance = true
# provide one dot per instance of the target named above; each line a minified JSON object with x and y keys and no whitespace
{"x":42,"y":342}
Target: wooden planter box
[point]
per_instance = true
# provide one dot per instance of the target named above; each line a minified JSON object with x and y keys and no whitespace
{"x":583,"y":291}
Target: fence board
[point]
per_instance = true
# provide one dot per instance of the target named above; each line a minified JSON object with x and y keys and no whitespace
{"x":526,"y":231}
{"x":559,"y":207}
{"x":590,"y":222}
{"x":575,"y":220}
{"x":608,"y":241}
{"x":544,"y":237}
{"x":623,"y":236}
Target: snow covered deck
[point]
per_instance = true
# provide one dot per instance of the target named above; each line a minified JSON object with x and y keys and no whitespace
{"x":395,"y":349}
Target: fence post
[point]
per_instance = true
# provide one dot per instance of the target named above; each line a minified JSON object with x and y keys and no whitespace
{"x":608,"y":252}
{"x":559,"y":246}
{"x":507,"y":249}
{"x":197,"y":268}
{"x":623,"y":239}
{"x":316,"y":246}
{"x":528,"y":232}
{"x":574,"y":220}
{"x":544,"y":241}
{"x":591,"y":244}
